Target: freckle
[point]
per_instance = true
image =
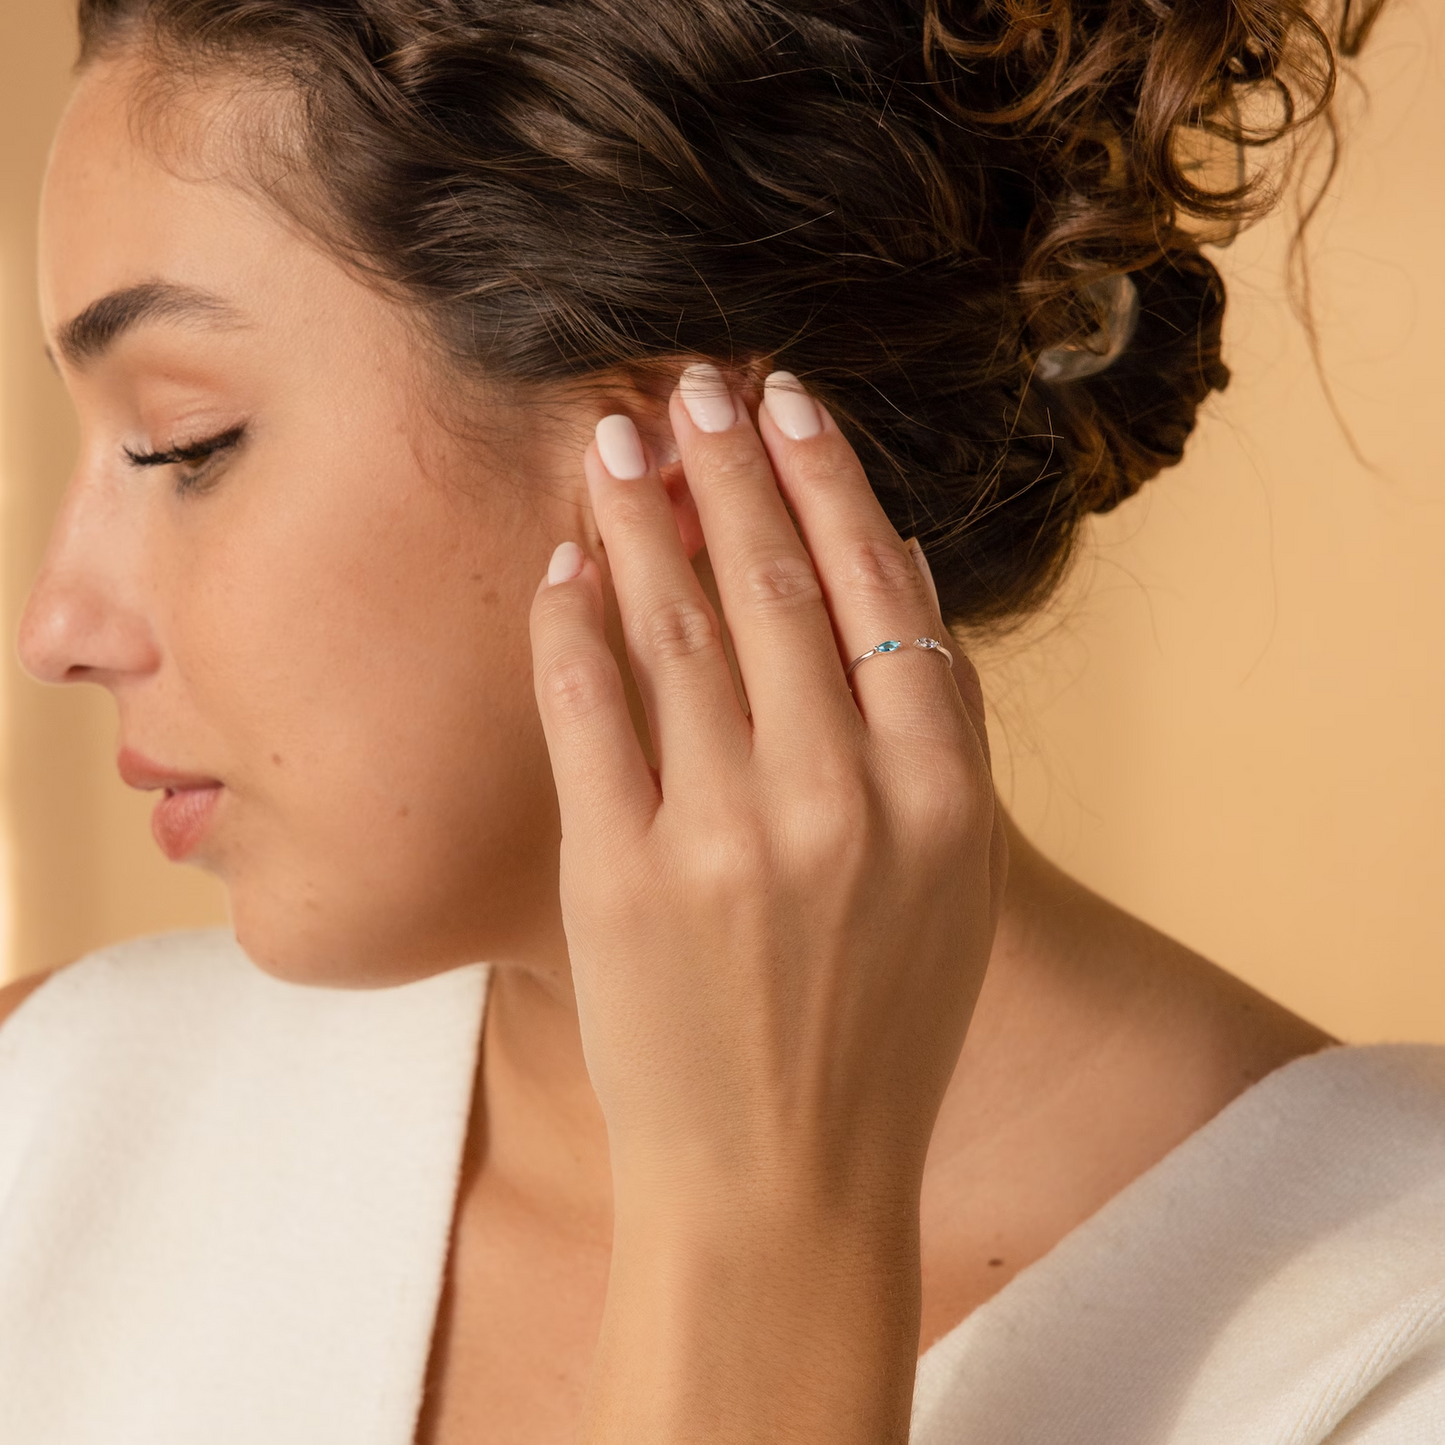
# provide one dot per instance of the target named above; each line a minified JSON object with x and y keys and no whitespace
{"x":994,"y":1263}
{"x":404,"y":811}
{"x":489,"y":597}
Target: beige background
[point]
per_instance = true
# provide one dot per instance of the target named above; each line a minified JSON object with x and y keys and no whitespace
{"x":1232,"y":722}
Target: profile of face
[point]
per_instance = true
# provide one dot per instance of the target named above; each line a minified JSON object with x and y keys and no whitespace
{"x":327,"y":614}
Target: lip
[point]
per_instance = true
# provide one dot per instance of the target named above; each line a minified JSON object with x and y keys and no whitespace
{"x":183,"y":816}
{"x":138,"y":771}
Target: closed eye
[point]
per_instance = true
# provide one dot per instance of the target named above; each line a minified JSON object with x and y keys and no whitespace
{"x":198,"y":451}
{"x":194,"y":459}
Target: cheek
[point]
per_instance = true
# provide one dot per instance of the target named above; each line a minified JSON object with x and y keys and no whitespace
{"x":361,"y":652}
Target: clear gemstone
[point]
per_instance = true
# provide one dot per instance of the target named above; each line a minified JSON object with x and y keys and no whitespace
{"x":892,"y":645}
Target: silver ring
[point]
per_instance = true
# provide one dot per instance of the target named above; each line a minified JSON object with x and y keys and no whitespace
{"x":892,"y":644}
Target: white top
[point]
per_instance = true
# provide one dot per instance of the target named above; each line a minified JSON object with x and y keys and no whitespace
{"x":225,"y":1204}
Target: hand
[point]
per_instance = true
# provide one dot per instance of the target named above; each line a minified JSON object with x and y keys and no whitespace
{"x":777,"y":935}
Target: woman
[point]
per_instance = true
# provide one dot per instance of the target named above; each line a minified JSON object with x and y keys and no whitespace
{"x":813,"y":1105}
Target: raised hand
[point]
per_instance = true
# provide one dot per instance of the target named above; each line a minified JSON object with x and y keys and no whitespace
{"x":777,"y":934}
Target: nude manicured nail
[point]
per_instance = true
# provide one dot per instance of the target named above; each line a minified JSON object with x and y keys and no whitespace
{"x":620,"y":448}
{"x":788,"y":403}
{"x":566,"y":564}
{"x":706,"y":396}
{"x":921,"y":562}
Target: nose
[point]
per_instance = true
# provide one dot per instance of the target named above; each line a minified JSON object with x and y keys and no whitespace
{"x":81,"y":622}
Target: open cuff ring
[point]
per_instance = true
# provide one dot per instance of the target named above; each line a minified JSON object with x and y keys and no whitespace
{"x":928,"y":644}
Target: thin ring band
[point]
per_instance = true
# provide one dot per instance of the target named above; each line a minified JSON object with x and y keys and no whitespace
{"x":892,"y":644}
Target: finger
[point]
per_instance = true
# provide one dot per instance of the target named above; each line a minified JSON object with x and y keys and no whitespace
{"x":875,"y":591}
{"x":674,"y":640}
{"x":603,"y":781}
{"x":965,"y":674}
{"x":782,"y":635}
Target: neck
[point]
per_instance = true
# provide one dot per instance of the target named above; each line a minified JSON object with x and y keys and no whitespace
{"x":545,"y":1134}
{"x":1097,"y":1046}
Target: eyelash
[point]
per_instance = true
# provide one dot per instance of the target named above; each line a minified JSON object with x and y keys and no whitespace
{"x":198,"y":451}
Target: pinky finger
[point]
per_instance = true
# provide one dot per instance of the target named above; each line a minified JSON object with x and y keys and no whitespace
{"x":603,"y":780}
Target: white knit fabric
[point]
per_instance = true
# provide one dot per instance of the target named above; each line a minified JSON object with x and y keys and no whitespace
{"x":1279,"y":1278}
{"x":224,"y":1200}
{"x":225,"y":1205}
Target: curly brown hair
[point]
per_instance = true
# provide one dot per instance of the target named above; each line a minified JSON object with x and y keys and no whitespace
{"x":905,"y":202}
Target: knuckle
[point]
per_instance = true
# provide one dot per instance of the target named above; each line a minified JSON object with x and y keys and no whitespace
{"x":944,"y":811}
{"x":884,"y":569}
{"x":575,"y":686}
{"x":833,"y":820}
{"x":782,"y":581}
{"x":729,"y":852}
{"x":822,"y":472}
{"x":628,"y":509}
{"x":732,"y":462}
{"x":946,"y":802}
{"x":677,"y":630}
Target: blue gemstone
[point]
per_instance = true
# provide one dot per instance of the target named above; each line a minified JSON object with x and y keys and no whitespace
{"x":890,"y":646}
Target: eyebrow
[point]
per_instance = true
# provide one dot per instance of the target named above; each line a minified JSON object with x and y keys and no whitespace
{"x":99,"y":326}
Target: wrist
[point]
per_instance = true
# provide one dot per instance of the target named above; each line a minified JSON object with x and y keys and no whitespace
{"x":741,"y":1229}
{"x":791,"y":1187}
{"x":798,"y":1321}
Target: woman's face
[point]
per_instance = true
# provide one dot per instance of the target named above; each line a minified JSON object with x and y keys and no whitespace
{"x":328,"y":618}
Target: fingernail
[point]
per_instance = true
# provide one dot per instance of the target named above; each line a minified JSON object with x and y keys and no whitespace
{"x":795,"y":412}
{"x":921,"y":562}
{"x":706,"y":396}
{"x":620,"y":448}
{"x":566,"y":563}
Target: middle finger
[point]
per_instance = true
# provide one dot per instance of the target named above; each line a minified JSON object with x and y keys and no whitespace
{"x":781,"y":630}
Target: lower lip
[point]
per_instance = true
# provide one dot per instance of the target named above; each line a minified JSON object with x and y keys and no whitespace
{"x":181,"y":819}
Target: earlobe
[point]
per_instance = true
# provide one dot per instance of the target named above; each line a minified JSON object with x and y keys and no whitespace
{"x":684,"y":509}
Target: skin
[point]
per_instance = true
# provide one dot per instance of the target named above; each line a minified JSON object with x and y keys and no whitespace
{"x":345,"y":627}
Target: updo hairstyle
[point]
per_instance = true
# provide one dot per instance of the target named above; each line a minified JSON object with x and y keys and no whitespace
{"x":906,"y":202}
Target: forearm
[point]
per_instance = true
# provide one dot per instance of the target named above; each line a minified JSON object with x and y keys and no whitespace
{"x":758,"y":1325}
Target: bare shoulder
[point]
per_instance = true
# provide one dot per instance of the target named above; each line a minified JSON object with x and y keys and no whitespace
{"x":1196,"y":1032}
{"x":1099,"y":1046}
{"x":1207,"y":1023}
{"x":1176,"y":1030}
{"x":15,"y":994}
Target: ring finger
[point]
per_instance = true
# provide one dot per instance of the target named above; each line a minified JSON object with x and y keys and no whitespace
{"x":882,"y":605}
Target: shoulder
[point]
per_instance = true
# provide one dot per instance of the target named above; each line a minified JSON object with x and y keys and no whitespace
{"x":114,"y":991}
{"x":1303,"y":1225}
{"x":214,"y":1157}
{"x":126,"y":1042}
{"x":136,"y":1016}
{"x":136,"y":959}
{"x":1406,"y":1408}
{"x":1279,"y":1276}
{"x":1339,"y":1197}
{"x":151,"y":1013}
